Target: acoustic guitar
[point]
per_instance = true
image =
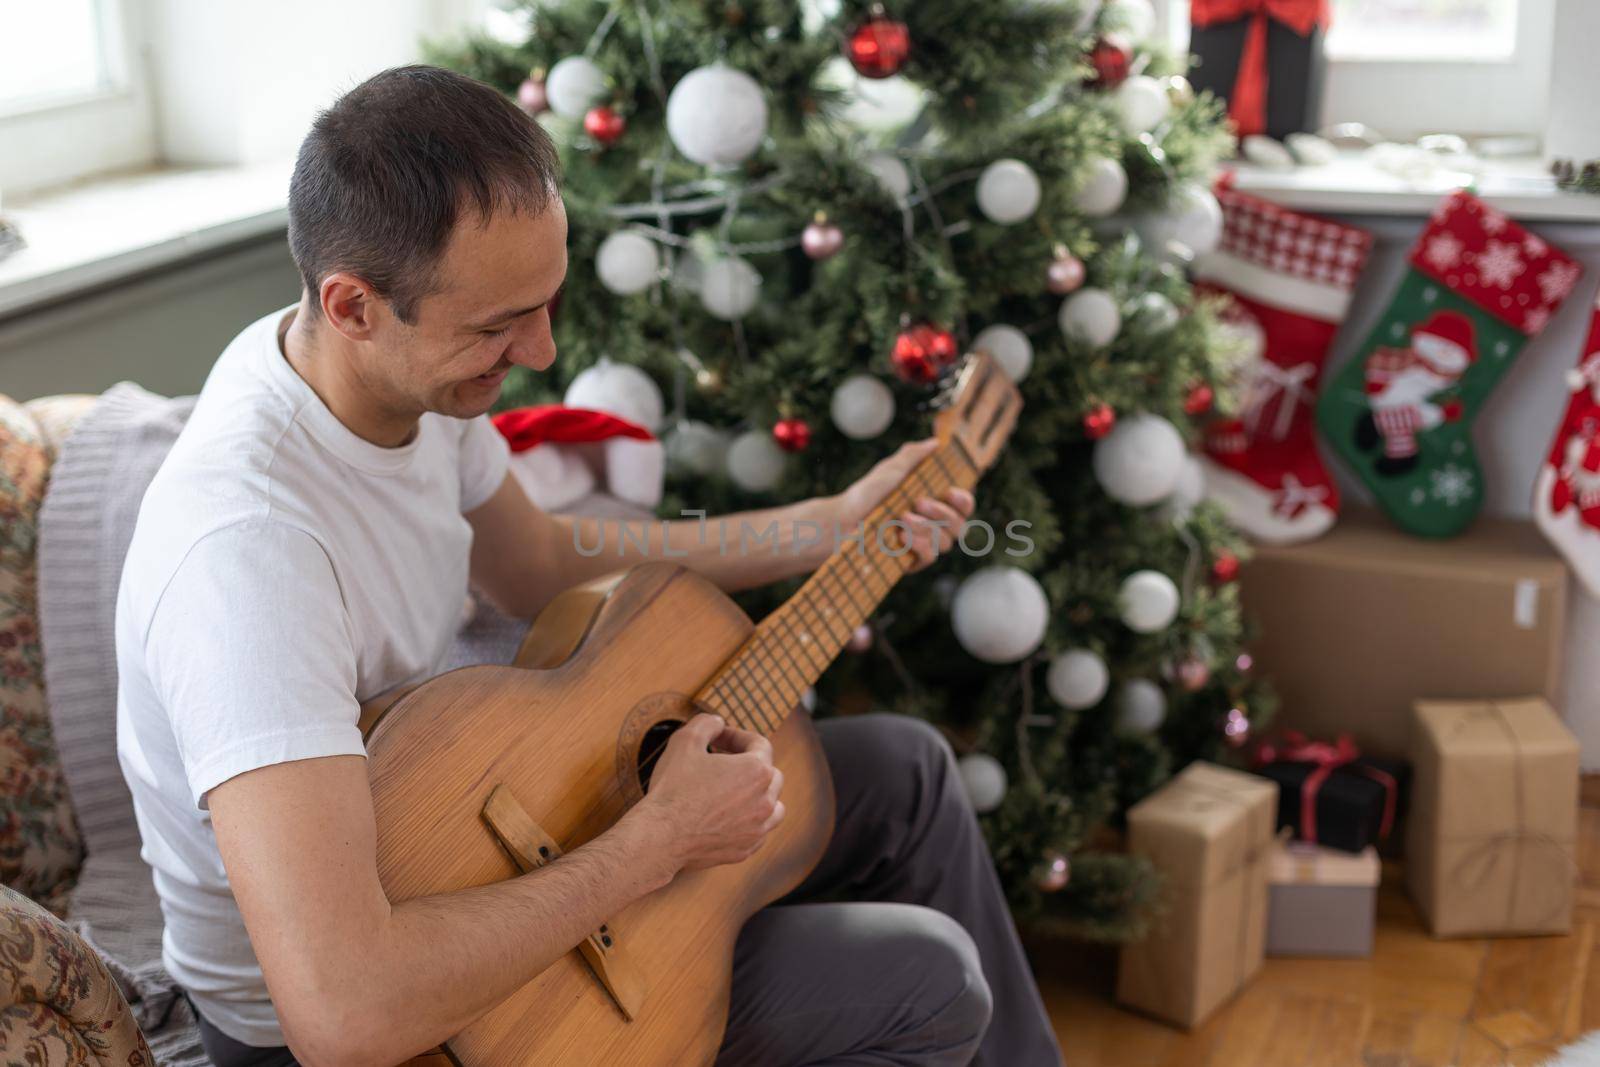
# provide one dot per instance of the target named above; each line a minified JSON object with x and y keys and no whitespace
{"x":487,"y":772}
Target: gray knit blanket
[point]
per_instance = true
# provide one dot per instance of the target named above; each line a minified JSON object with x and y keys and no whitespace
{"x":85,"y":525}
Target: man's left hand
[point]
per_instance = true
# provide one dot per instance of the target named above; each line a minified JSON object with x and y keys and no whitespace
{"x":934,"y":523}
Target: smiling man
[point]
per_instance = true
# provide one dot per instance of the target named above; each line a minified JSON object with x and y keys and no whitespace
{"x":306,"y":546}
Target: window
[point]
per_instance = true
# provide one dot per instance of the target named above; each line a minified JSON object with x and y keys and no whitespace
{"x":72,"y":102}
{"x":1423,"y":29}
{"x":57,"y":51}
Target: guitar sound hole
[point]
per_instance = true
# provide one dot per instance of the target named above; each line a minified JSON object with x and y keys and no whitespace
{"x":655,"y":739}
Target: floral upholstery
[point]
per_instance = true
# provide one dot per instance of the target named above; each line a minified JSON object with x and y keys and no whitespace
{"x":40,"y":846}
{"x":58,"y":1003}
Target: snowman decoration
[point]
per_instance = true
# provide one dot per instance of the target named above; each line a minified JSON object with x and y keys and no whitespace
{"x":1406,"y":386}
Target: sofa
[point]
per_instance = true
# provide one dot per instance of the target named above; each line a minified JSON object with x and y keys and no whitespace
{"x":80,"y":927}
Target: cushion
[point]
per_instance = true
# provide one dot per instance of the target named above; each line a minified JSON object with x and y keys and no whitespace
{"x":58,"y":1002}
{"x":40,"y":847}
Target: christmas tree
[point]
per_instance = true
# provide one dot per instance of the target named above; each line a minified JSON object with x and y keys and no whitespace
{"x":792,"y":218}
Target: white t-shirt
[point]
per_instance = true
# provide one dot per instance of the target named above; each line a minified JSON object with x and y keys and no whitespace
{"x":283,"y":570}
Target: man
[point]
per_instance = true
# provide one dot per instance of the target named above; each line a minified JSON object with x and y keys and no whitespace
{"x":306,"y":546}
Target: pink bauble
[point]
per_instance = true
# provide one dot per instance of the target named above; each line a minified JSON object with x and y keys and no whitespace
{"x":1066,"y":274}
{"x":531,"y":96}
{"x":1193,"y":674}
{"x":1236,"y":728}
{"x":821,"y":238}
{"x":860,"y":639}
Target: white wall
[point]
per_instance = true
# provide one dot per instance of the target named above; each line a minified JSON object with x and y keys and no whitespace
{"x":237,"y":83}
{"x":1513,"y":432}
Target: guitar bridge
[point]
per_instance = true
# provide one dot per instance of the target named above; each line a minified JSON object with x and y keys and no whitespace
{"x":531,"y":848}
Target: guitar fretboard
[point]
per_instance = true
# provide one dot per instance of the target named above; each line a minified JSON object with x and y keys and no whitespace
{"x":763,"y":681}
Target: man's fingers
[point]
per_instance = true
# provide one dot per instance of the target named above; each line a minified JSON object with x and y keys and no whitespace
{"x":735,"y":740}
{"x":962,"y":500}
{"x":703,"y":729}
{"x":774,"y":819}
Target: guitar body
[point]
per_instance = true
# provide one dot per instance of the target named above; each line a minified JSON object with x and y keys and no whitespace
{"x":562,"y":731}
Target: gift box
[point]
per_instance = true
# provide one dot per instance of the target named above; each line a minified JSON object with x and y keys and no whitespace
{"x":1490,"y":846}
{"x":1361,"y":623}
{"x":1329,"y":794}
{"x":1266,"y":61}
{"x":1321,"y":902}
{"x":1208,"y":831}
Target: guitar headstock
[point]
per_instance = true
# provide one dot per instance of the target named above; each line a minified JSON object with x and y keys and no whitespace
{"x":980,"y":410}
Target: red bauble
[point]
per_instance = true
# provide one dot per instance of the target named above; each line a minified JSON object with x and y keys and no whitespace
{"x":1098,"y":421}
{"x":531,"y":96}
{"x":921,"y":352}
{"x":1225,"y":568}
{"x":792,"y":435}
{"x":604,"y":125}
{"x":1111,"y":58}
{"x":1199,"y":400}
{"x":879,"y":47}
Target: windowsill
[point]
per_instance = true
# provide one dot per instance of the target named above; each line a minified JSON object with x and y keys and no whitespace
{"x":1522,"y":189}
{"x":108,"y":229}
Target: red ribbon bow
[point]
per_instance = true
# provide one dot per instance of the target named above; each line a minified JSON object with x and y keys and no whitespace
{"x":1297,"y":748}
{"x":1247,"y":105}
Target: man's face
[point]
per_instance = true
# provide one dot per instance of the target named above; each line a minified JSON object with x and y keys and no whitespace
{"x":489,"y":313}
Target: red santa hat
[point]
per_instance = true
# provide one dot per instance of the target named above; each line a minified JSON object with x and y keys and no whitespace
{"x":1458,"y":350}
{"x":561,"y":455}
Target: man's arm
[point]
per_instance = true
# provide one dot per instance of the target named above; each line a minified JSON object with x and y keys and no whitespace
{"x":357,"y":980}
{"x":523,"y":557}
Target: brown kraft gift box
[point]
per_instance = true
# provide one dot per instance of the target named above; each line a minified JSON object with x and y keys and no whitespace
{"x":1358,"y":625}
{"x":1490,"y":849}
{"x":1209,"y":832}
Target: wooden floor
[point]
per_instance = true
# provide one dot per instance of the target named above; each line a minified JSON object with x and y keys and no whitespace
{"x":1416,"y":1003}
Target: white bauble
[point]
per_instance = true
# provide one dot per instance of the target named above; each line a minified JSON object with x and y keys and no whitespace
{"x":1190,"y":226}
{"x":1141,"y":707}
{"x":1147,"y":601}
{"x":1136,"y":18}
{"x":1077,"y":679}
{"x":755,"y":462}
{"x":729,"y":287}
{"x":573,"y":86}
{"x":1310,"y":150}
{"x":1091,"y":316}
{"x":1187,"y":494}
{"x":1008,"y":191}
{"x":872,"y":104}
{"x":627,"y":262}
{"x":1104,"y":189}
{"x":621,"y":389}
{"x":999,"y":614}
{"x":1157,"y":312}
{"x":716,"y":115}
{"x":1139,"y":461}
{"x":1142,"y":103}
{"x":1010,"y":348}
{"x":984,"y":780}
{"x":696,"y":448}
{"x":1267,"y":152}
{"x":862,"y":407}
{"x":891,"y":172}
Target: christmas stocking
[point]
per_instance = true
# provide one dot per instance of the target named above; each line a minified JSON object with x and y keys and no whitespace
{"x":1400,"y":413}
{"x":1290,"y":277}
{"x":1566,"y":498}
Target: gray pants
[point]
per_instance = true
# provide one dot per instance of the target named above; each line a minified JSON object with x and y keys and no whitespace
{"x":897,"y":949}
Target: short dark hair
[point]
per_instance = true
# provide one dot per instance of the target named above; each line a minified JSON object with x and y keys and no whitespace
{"x":385,"y":172}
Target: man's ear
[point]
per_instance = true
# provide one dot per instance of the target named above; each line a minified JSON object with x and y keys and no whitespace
{"x":348,"y":304}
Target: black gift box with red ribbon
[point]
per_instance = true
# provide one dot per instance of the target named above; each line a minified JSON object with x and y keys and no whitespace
{"x":1265,"y":58}
{"x":1330,"y":794}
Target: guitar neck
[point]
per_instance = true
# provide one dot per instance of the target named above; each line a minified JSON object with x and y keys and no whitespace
{"x":763,"y":681}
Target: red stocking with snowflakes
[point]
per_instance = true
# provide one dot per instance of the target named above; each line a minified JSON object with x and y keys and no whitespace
{"x":1290,"y":277}
{"x":1566,"y":497}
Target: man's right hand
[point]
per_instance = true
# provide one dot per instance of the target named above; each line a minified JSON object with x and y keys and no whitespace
{"x":715,"y":791}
